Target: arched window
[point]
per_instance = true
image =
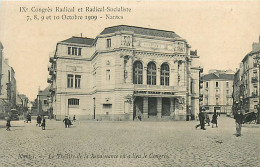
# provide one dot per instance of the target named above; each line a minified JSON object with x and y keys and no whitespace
{"x":138,"y":72}
{"x":151,"y":74}
{"x":165,"y":74}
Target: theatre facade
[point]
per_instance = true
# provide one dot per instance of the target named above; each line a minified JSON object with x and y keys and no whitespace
{"x":125,"y":72}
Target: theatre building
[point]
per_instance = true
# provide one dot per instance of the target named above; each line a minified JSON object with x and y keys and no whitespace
{"x":124,"y":72}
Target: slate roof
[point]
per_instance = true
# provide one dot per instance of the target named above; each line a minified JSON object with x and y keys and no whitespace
{"x":80,"y":40}
{"x":141,"y":31}
{"x":216,"y":76}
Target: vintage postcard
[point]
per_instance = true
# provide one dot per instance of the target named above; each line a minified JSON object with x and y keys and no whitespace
{"x":129,"y":83}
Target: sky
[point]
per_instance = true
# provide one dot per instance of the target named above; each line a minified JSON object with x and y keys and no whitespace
{"x":222,"y":32}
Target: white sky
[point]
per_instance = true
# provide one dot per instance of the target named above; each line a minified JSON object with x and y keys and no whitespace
{"x":222,"y":32}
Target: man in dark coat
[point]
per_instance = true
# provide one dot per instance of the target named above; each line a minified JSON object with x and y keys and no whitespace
{"x":39,"y":120}
{"x":43,"y":123}
{"x":202,"y":120}
{"x":239,"y":119}
{"x":66,"y":121}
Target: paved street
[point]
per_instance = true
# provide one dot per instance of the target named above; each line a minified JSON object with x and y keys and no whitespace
{"x":129,"y":144}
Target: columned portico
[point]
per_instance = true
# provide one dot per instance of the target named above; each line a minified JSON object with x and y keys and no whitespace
{"x":145,"y":107}
{"x":159,"y":107}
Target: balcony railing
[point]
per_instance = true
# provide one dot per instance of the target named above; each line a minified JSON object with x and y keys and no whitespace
{"x":49,"y":80}
{"x":254,"y":79}
{"x":159,"y":87}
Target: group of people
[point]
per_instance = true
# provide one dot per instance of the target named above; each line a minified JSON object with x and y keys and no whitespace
{"x":41,"y":122}
{"x":204,"y":118}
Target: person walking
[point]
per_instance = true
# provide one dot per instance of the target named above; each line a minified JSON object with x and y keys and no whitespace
{"x":214,"y":119}
{"x":74,"y":118}
{"x":239,"y":119}
{"x":8,"y":123}
{"x":39,"y":120}
{"x":43,"y":123}
{"x":207,"y":118}
{"x":66,"y":121}
{"x":202,"y":120}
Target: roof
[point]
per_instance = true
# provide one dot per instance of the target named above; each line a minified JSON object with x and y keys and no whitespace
{"x":217,"y":76}
{"x":44,"y":92}
{"x":141,"y":31}
{"x":80,"y":40}
{"x":250,"y":54}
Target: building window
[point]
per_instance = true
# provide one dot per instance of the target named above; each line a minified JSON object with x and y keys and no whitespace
{"x":109,"y":43}
{"x":70,"y":81}
{"x":69,"y":50}
{"x":79,"y":51}
{"x":151,"y":74}
{"x":45,"y":102}
{"x":138,"y":73}
{"x":73,"y":102}
{"x":108,"y":75}
{"x":165,"y":74}
{"x":227,"y":84}
{"x":227,"y":92}
{"x":217,"y":101}
{"x":74,"y":51}
{"x":207,"y":84}
{"x":216,"y":84}
{"x":77,"y":81}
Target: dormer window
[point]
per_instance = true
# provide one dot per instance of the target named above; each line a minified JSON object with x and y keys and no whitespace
{"x":74,"y":51}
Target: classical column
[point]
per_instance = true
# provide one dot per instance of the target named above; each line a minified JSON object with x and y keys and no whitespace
{"x":145,"y":76}
{"x":158,"y":76}
{"x":172,"y":106}
{"x":159,"y":107}
{"x":145,"y":107}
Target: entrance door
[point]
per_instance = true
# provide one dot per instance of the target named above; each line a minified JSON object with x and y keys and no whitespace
{"x":152,"y":106}
{"x":138,"y":106}
{"x":166,"y":107}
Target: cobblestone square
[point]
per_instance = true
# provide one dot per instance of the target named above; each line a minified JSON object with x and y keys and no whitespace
{"x":93,"y":143}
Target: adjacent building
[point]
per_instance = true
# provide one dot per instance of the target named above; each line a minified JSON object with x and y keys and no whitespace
{"x":8,"y":85}
{"x":217,"y":89}
{"x":246,"y":81}
{"x":125,"y":71}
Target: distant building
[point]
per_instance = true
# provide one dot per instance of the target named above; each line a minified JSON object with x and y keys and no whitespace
{"x":217,"y":91}
{"x":124,"y":72}
{"x":246,"y":81}
{"x":8,"y":85}
{"x":42,"y":102}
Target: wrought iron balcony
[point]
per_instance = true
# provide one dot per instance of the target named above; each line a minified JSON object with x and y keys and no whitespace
{"x":49,"y":80}
{"x":254,"y":79}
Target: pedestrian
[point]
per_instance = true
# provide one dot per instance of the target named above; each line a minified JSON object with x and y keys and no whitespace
{"x":74,"y":118}
{"x":201,"y":119}
{"x":39,"y":120}
{"x":214,"y":119}
{"x":69,"y":122}
{"x":66,"y":121}
{"x":8,"y":123}
{"x":239,"y":119}
{"x":43,"y":123}
{"x":207,"y":119}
